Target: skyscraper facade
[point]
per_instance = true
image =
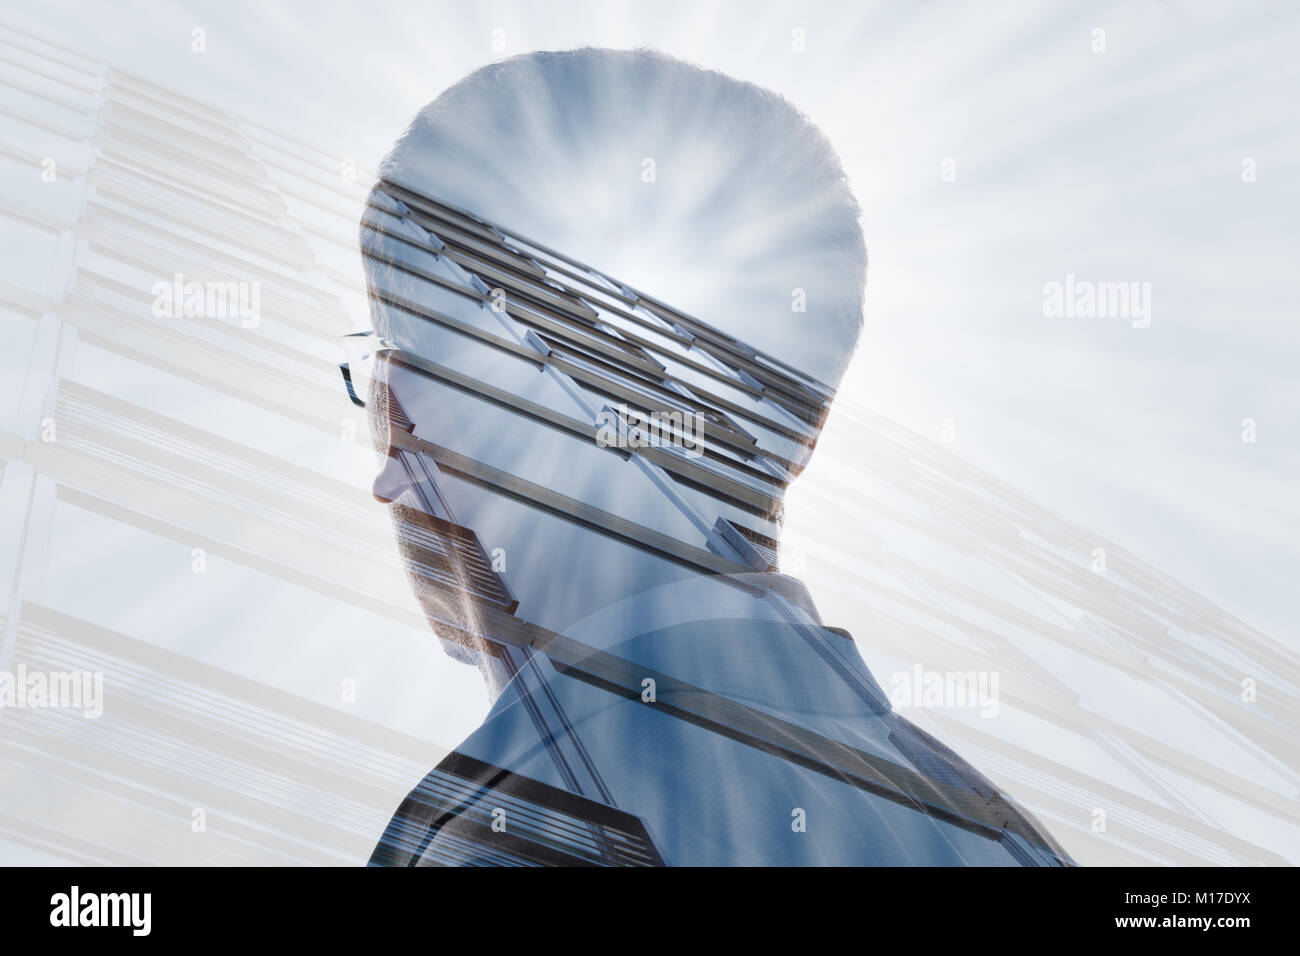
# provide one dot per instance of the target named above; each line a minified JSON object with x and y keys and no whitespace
{"x":552,"y":408}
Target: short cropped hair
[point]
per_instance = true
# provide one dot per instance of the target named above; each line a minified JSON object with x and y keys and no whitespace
{"x":551,"y":144}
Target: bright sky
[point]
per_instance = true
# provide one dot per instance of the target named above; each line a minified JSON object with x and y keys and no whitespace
{"x":1122,"y":165}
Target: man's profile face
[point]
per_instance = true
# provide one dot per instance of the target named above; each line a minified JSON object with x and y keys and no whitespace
{"x":572,"y":567}
{"x":527,"y":382}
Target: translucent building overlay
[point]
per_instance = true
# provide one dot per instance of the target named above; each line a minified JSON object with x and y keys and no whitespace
{"x":185,"y":509}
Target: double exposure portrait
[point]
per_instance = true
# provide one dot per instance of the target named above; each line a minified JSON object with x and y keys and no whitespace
{"x":766,"y":436}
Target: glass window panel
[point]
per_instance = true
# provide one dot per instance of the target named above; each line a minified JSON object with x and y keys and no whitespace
{"x":17,"y":335}
{"x":555,"y":593}
{"x":257,"y":624}
{"x":569,"y":465}
{"x":468,"y":356}
{"x":28,"y":256}
{"x":77,"y":122}
{"x":235,"y":419}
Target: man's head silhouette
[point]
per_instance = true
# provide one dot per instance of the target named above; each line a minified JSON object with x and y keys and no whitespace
{"x":706,"y":192}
